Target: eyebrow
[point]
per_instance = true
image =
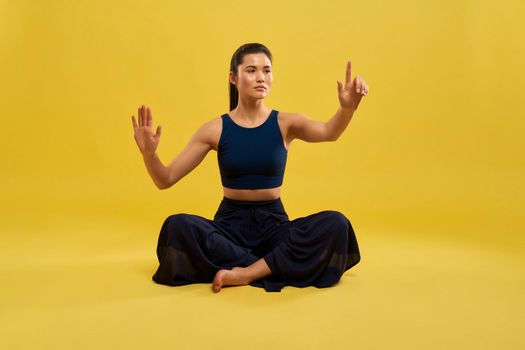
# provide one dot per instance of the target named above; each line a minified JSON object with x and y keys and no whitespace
{"x":252,"y":66}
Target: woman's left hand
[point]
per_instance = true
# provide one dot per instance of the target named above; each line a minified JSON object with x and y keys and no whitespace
{"x":351,"y":93}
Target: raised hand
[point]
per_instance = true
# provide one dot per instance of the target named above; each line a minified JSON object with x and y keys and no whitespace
{"x":146,"y":140}
{"x":353,"y":90}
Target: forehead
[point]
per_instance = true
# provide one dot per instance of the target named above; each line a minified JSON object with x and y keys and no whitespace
{"x":256,"y":59}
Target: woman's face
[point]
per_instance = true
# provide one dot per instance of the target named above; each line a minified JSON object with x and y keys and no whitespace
{"x":255,"y":70}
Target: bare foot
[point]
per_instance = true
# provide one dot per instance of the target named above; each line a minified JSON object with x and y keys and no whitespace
{"x":234,"y":277}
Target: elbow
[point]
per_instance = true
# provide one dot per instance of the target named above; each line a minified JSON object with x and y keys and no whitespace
{"x":330,"y":134}
{"x":332,"y":137}
{"x":166,"y":183}
{"x":163,"y":185}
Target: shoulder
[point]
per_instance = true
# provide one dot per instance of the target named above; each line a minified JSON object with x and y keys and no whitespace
{"x":288,"y":119}
{"x":209,"y":132}
{"x":289,"y":116}
{"x":212,"y":125}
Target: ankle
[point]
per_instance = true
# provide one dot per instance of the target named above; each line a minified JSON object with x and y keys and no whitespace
{"x":245,"y":274}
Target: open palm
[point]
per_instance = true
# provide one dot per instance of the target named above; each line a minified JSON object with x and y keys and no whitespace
{"x":146,"y":140}
{"x":352,"y":91}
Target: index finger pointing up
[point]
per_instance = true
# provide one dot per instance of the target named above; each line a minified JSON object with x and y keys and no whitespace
{"x":348,"y":73}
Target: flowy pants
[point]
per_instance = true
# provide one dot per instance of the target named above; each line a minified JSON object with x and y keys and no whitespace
{"x":314,"y":250}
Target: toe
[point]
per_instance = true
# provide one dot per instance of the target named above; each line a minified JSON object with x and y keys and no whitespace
{"x":217,"y":282}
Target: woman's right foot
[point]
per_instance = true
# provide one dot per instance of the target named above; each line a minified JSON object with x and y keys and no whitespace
{"x":233,"y":277}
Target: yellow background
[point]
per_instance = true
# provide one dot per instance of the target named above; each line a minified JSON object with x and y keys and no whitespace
{"x":429,"y":171}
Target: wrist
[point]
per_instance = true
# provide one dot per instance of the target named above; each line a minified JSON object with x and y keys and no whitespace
{"x":347,"y":109}
{"x":148,"y":154}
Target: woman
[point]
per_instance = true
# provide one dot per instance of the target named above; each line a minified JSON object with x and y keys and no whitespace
{"x":251,"y":239}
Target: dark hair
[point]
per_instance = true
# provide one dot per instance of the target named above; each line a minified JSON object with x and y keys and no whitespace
{"x":237,"y":58}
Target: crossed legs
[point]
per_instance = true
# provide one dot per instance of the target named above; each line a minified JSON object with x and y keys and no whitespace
{"x":190,"y":248}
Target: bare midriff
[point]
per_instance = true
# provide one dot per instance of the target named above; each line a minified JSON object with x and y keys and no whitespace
{"x":263,"y":194}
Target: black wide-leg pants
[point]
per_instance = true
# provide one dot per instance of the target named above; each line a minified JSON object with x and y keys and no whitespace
{"x":314,"y":250}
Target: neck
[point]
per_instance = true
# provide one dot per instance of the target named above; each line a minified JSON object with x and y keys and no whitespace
{"x":252,"y":111}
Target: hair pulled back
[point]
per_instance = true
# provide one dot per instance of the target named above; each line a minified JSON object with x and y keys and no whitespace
{"x":237,"y":59}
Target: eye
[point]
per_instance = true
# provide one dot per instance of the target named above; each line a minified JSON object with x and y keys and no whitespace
{"x":252,"y":71}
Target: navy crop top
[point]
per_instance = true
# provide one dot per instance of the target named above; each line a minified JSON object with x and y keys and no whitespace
{"x":251,"y":158}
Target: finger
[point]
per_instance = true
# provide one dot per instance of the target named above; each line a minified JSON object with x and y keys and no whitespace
{"x":348,"y":73}
{"x":150,"y":118}
{"x":158,"y":130}
{"x":143,"y":112}
{"x":134,"y":122}
{"x":339,"y":86}
{"x":357,"y":83}
{"x":362,"y":85}
{"x":139,"y":117}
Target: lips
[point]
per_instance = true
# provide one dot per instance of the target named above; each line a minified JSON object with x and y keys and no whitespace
{"x":260,"y":87}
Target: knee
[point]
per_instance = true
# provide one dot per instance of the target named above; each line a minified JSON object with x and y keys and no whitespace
{"x":178,"y":222}
{"x":338,"y":221}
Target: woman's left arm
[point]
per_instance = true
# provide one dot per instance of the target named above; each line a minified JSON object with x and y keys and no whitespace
{"x":307,"y":129}
{"x":350,"y":95}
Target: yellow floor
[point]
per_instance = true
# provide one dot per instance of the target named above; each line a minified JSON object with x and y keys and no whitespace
{"x":66,"y":287}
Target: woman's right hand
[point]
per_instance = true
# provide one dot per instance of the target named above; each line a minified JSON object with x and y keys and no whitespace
{"x":146,"y":140}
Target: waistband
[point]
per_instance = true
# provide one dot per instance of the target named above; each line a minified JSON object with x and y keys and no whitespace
{"x":241,"y":203}
{"x":258,"y":210}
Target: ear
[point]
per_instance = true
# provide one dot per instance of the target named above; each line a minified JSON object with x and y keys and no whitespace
{"x":232,"y":79}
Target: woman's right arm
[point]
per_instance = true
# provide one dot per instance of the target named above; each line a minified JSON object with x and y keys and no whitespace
{"x":187,"y":160}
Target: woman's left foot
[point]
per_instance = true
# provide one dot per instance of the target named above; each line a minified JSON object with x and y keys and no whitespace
{"x":233,"y":277}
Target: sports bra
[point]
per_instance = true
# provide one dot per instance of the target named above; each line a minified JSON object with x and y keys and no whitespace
{"x":251,"y":158}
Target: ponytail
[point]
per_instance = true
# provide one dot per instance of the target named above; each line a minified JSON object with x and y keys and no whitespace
{"x":234,"y":96}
